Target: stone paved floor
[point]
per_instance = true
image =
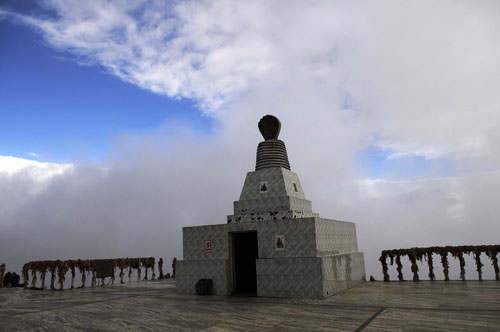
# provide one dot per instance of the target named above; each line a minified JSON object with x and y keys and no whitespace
{"x":154,"y":306}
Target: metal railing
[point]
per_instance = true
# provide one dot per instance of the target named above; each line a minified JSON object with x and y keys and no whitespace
{"x":59,"y":269}
{"x":419,"y":254}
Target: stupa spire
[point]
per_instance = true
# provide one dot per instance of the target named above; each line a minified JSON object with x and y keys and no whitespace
{"x":272,"y":151}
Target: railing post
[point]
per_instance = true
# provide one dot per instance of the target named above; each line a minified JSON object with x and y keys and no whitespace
{"x":62,"y":268}
{"x":26,"y":274}
{"x":82,"y":266}
{"x":382,"y":259}
{"x":113,"y":275}
{"x":52,"y":274}
{"x":43,"y":270}
{"x":174,"y":263}
{"x":2,"y":271}
{"x":72,"y":266}
{"x":461,"y":259}
{"x":492,"y":254}
{"x":92,"y":268}
{"x":129,"y":264}
{"x":479,"y":265}
{"x":121,"y":265}
{"x":430,"y":263}
{"x":152,"y":263}
{"x":399,"y":268}
{"x":414,"y":266}
{"x":444,"y":262}
{"x":160,"y":267}
{"x":34,"y":268}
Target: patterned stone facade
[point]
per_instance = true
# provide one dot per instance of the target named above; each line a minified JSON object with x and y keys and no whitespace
{"x":319,"y":257}
{"x":282,"y":198}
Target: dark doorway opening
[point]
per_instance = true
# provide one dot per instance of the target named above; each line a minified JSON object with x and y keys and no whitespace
{"x":245,"y":253}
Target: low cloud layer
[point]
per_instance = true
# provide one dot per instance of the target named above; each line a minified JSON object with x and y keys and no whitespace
{"x":411,"y":79}
{"x":140,"y":208}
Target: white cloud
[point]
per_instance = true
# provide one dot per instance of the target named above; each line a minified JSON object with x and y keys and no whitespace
{"x":23,"y":180}
{"x":139,"y":205}
{"x":38,"y":171}
{"x":416,"y":79}
{"x":203,"y":51}
{"x":421,"y":77}
{"x":424,"y":212}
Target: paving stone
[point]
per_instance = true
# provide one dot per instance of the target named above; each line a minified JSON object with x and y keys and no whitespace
{"x":155,"y":306}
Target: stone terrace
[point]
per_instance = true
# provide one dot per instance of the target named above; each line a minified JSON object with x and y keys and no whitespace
{"x":154,"y":306}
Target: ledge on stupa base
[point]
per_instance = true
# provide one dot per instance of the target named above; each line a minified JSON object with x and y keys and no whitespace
{"x":300,"y":258}
{"x":267,"y":216}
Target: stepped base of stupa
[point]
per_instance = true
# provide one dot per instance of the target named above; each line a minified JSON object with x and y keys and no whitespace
{"x":297,"y":258}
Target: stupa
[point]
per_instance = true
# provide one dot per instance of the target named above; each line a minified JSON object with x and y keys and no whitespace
{"x":273,"y":245}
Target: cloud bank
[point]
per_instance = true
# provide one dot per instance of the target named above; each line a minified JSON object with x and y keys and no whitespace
{"x":414,"y":79}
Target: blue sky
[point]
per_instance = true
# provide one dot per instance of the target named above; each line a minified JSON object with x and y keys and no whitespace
{"x":377,"y":163}
{"x":64,"y":111}
{"x":58,"y":107}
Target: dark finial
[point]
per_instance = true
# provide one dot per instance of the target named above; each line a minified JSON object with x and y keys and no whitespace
{"x":269,"y":127}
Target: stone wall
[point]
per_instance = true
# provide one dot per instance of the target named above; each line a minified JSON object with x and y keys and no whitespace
{"x":298,"y":277}
{"x":190,"y":271}
{"x":318,"y":259}
{"x":341,"y":272}
{"x":298,"y":234}
{"x":335,"y":237}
